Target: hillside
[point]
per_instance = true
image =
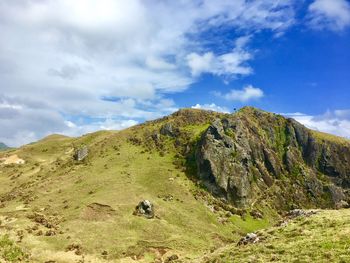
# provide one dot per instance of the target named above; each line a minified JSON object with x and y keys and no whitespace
{"x":211,"y":178}
{"x":323,"y":237}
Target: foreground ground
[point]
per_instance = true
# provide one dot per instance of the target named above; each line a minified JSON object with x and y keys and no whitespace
{"x":53,"y":208}
{"x":323,"y":237}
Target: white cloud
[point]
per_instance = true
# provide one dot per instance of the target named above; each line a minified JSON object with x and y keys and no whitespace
{"x":243,"y":95}
{"x":335,"y":122}
{"x":231,"y":63}
{"x":28,"y":120}
{"x":200,"y":63}
{"x":212,"y":107}
{"x":64,"y":56}
{"x":331,"y":14}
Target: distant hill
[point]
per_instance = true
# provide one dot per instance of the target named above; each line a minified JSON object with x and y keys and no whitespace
{"x":3,"y":146}
{"x":210,"y":177}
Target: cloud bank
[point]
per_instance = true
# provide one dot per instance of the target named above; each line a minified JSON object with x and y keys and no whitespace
{"x":75,"y":66}
{"x":335,"y":122}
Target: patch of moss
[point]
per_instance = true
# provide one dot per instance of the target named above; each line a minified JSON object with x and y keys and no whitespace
{"x":248,"y":224}
{"x":230,"y":133}
{"x":10,"y":252}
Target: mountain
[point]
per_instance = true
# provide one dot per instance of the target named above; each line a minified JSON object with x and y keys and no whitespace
{"x":183,"y":188}
{"x":3,"y":146}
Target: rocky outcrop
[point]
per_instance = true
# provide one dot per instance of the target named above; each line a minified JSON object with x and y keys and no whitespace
{"x":168,"y":130}
{"x":242,"y":156}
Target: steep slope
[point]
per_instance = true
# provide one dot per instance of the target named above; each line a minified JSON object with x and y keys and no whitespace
{"x":324,"y":237}
{"x":211,"y":178}
{"x":254,"y":156}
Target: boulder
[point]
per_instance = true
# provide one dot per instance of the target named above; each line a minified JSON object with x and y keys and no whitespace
{"x":145,"y":208}
{"x":81,"y":153}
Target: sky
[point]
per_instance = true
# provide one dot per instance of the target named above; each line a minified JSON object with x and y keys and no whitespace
{"x":74,"y":67}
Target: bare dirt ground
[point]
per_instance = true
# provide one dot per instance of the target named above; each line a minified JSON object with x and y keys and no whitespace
{"x":12,"y":159}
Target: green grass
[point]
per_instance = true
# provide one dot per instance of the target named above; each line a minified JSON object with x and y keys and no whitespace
{"x":321,"y":136}
{"x":248,"y":224}
{"x":323,"y":237}
{"x":119,"y":174}
{"x":9,"y":251}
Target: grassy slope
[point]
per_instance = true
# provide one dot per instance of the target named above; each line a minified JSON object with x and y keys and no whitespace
{"x":331,"y":138}
{"x":324,"y":237}
{"x":119,"y":174}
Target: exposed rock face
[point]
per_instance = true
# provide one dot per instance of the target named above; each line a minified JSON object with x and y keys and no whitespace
{"x":81,"y":153}
{"x":168,"y":130}
{"x":245,"y":155}
{"x":145,"y":208}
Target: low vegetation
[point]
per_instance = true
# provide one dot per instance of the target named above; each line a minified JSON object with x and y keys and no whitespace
{"x":54,"y":208}
{"x":323,"y":237}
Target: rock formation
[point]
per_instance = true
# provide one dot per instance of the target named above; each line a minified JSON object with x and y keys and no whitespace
{"x":243,"y":156}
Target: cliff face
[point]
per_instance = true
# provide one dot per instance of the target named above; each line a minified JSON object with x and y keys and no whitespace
{"x":253,"y":155}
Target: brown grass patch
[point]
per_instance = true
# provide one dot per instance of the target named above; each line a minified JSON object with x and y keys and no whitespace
{"x":98,"y":212}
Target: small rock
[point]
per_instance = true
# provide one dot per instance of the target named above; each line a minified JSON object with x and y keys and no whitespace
{"x":256,"y":214}
{"x":39,"y":233}
{"x":299,"y":212}
{"x":172,"y":258}
{"x":250,"y":238}
{"x":78,"y":250}
{"x":104,"y":254}
{"x":342,"y":204}
{"x":50,"y":233}
{"x":167,"y":197}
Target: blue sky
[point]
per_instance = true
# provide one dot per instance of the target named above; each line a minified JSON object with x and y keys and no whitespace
{"x":302,"y":70}
{"x":74,"y":67}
